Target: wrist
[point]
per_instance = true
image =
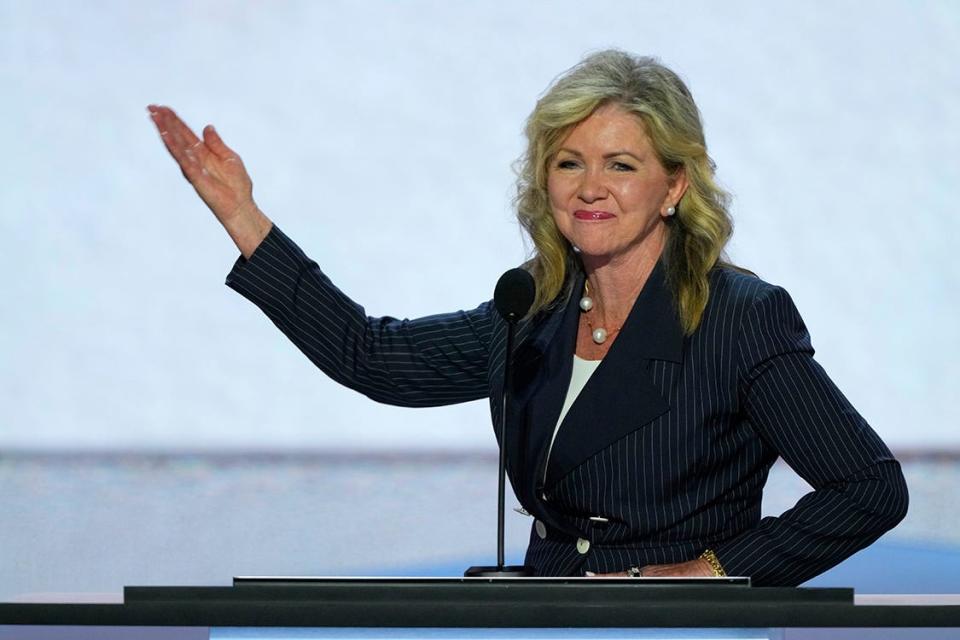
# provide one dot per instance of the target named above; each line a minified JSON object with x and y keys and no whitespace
{"x":247,"y":228}
{"x":712,"y":563}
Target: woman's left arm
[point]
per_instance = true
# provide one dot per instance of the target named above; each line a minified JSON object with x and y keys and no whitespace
{"x":859,"y":490}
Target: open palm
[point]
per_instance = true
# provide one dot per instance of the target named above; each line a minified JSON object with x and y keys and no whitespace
{"x":217,"y":174}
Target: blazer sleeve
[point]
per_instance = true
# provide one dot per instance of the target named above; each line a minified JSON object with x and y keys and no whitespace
{"x":859,"y":490}
{"x":431,"y":361}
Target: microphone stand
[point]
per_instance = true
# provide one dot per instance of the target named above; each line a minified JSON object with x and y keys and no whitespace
{"x":501,"y":571}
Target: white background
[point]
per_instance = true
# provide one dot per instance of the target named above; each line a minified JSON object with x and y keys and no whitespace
{"x":380,"y":137}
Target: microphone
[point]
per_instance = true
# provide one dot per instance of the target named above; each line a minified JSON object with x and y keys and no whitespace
{"x":514,"y":294}
{"x":512,"y":297}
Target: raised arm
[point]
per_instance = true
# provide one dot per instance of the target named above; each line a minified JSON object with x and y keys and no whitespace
{"x":436,"y":360}
{"x":429,"y":361}
{"x":218,"y":176}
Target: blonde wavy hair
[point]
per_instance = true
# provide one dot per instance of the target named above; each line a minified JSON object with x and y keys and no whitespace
{"x":696,"y":234}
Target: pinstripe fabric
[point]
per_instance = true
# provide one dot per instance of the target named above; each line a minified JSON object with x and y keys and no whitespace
{"x":670,"y":441}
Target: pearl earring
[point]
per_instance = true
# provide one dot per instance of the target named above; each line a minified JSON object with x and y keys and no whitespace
{"x":671,"y":211}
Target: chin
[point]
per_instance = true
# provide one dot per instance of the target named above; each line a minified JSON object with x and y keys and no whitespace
{"x":591,"y":246}
{"x":593,"y":253}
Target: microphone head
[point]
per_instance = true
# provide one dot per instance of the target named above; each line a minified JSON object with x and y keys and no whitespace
{"x":514,"y":294}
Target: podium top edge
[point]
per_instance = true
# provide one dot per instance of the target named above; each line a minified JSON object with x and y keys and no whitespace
{"x":239,"y":581}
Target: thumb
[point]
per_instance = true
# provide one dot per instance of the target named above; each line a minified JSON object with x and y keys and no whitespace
{"x":216,"y":144}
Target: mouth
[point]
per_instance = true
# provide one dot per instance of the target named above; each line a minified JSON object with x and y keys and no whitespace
{"x":582,"y":214}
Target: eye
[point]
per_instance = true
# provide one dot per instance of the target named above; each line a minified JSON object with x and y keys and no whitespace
{"x":622,"y":166}
{"x":566,"y":164}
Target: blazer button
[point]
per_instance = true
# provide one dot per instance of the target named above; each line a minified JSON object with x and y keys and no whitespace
{"x":583,"y":545}
{"x":541,"y":530}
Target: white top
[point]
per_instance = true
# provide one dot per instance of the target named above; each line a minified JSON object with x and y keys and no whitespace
{"x":582,"y":370}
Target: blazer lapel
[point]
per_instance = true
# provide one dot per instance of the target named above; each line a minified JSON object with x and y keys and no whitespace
{"x":540,"y":379}
{"x":543,"y":409}
{"x":620,"y":396}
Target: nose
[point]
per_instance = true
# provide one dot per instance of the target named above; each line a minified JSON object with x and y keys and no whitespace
{"x":592,"y":187}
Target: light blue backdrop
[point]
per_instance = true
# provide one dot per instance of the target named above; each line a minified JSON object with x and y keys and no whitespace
{"x":380,"y":137}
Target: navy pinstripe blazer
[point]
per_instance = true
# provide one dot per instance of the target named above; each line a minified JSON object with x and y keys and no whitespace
{"x":666,"y":450}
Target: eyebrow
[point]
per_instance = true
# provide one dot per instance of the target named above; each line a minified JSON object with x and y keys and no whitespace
{"x":606,"y":156}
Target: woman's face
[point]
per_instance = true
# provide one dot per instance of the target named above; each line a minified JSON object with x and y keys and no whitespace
{"x":608,"y":191}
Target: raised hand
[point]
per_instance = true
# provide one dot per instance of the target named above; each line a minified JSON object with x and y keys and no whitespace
{"x":218,"y":176}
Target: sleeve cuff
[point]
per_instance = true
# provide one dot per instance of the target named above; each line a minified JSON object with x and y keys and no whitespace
{"x":272,"y":272}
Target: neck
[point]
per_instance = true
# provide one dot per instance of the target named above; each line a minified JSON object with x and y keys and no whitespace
{"x":616,"y":282}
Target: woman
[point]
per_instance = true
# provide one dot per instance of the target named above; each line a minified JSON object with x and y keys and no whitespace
{"x":655,"y":383}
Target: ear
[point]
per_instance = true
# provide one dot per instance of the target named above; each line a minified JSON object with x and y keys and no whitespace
{"x":678,"y":186}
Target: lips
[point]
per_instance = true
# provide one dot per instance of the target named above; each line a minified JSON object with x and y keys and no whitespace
{"x":582,"y":214}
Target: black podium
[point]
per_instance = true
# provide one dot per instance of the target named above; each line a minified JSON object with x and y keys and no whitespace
{"x":477,"y":607}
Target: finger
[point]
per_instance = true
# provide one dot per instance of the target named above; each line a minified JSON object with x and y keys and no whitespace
{"x":181,"y":141}
{"x":189,"y":149}
{"x":187,"y":141}
{"x":159,"y":120}
{"x":186,"y":157}
{"x":177,"y":126}
{"x":163,"y":118}
{"x":172,"y":135}
{"x":177,"y":146}
{"x":216,"y":144}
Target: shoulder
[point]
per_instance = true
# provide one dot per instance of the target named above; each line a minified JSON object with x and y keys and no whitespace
{"x":741,"y":302}
{"x":761,"y":317}
{"x":732,"y":285}
{"x":732,"y":294}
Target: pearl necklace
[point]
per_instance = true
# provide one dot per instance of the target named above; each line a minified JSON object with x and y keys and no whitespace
{"x":599,"y":334}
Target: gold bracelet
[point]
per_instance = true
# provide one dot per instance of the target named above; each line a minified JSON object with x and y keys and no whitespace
{"x":714,"y":563}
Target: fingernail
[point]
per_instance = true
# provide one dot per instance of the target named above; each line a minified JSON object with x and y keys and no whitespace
{"x":589,"y":574}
